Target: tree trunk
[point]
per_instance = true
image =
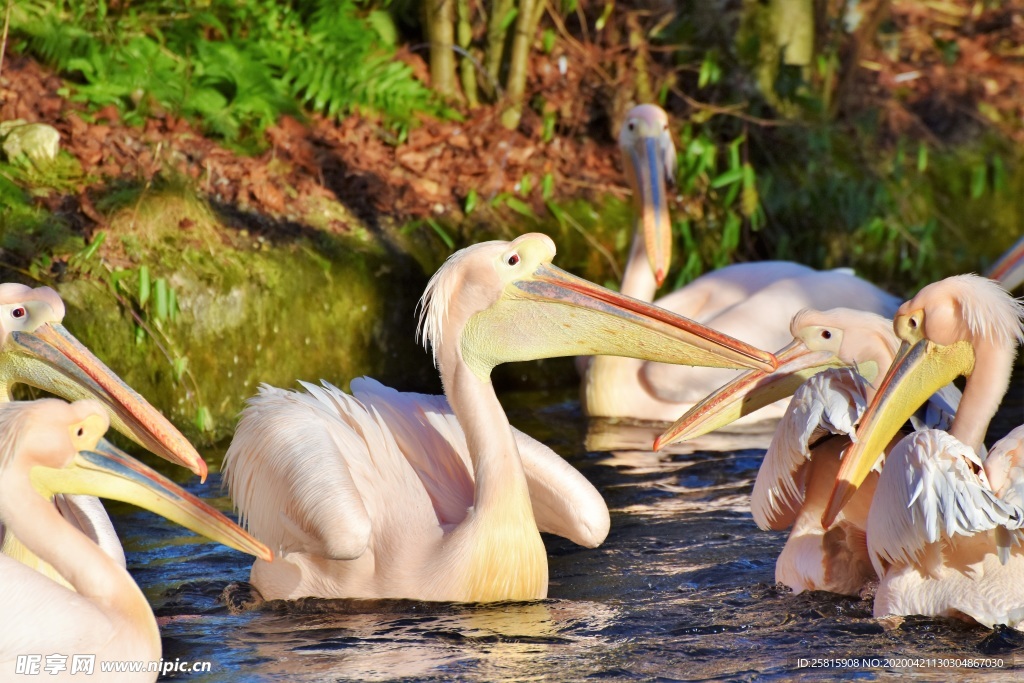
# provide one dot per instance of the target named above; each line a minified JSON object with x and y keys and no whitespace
{"x":441,"y":35}
{"x":530,"y":12}
{"x":467,"y":67}
{"x":495,"y":44}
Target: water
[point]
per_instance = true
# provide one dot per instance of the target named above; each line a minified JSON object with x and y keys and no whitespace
{"x":682,"y":589}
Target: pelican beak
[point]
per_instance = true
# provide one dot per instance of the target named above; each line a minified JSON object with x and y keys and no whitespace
{"x":1009,"y":269}
{"x":920,"y":369}
{"x":551,"y":313}
{"x":109,"y":473}
{"x":750,"y":392}
{"x":51,"y":359}
{"x":648,"y":171}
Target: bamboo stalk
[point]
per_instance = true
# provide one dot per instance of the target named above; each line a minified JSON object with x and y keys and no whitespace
{"x":495,"y":43}
{"x":441,"y":35}
{"x":467,"y":69}
{"x":526,"y":28}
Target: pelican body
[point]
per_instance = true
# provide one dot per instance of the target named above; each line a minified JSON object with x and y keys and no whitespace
{"x":36,"y":349}
{"x":46,"y":447}
{"x":753,"y":302}
{"x":945,"y":522}
{"x":382,"y":494}
{"x":828,"y":368}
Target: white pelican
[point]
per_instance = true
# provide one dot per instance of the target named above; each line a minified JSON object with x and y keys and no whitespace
{"x":944,"y":516}
{"x":828,"y":369}
{"x":36,"y":349}
{"x":749,"y":301}
{"x":392,"y":495}
{"x":106,"y":614}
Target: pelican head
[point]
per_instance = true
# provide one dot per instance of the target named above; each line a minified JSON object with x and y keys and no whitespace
{"x":499,"y":302}
{"x":54,"y":445}
{"x":840,"y":337}
{"x":947,"y":331}
{"x":36,"y":349}
{"x":650,"y":161}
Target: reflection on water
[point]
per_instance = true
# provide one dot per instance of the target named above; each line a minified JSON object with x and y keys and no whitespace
{"x":389,"y":640}
{"x":681,"y":590}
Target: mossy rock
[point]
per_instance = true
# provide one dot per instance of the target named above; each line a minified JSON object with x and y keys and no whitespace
{"x":246,"y":310}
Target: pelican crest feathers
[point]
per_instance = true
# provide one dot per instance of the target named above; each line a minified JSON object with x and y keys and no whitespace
{"x":989,"y":310}
{"x":433,"y":305}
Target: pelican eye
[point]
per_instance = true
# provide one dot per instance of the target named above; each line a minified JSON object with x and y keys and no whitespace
{"x":513,"y":259}
{"x":81,"y":431}
{"x":912,"y":323}
{"x":631,"y":126}
{"x":825,"y":334}
{"x":19,"y":312}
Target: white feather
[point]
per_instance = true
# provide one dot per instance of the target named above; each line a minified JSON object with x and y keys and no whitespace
{"x":830,"y":402}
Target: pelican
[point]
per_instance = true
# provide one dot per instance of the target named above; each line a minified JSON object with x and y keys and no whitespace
{"x":384,"y":494}
{"x":749,"y":301}
{"x":828,"y":368}
{"x":36,"y":349}
{"x":943,"y":532}
{"x":47,"y":446}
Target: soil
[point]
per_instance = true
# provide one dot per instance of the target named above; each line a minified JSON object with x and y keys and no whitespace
{"x":933,"y":70}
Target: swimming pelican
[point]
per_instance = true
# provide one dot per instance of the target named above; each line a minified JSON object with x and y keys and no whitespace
{"x":749,"y":301}
{"x":828,"y":369}
{"x":944,"y":516}
{"x":36,"y":349}
{"x":106,"y":614}
{"x":385,"y":494}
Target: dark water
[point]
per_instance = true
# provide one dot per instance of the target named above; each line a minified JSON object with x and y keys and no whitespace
{"x":682,"y":589}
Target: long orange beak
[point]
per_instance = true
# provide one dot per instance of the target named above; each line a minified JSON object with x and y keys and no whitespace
{"x":109,"y":473}
{"x":918,"y":371}
{"x":592,"y":320}
{"x":51,"y":359}
{"x":750,"y":392}
{"x":647,"y":172}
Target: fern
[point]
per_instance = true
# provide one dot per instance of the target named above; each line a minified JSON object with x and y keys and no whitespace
{"x":234,"y":67}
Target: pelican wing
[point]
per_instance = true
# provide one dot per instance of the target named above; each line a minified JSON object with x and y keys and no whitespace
{"x":830,"y":402}
{"x":939,"y":411}
{"x":432,"y":441}
{"x":564,"y":502}
{"x":315,"y":472}
{"x":1004,"y":467}
{"x":932,"y":487}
